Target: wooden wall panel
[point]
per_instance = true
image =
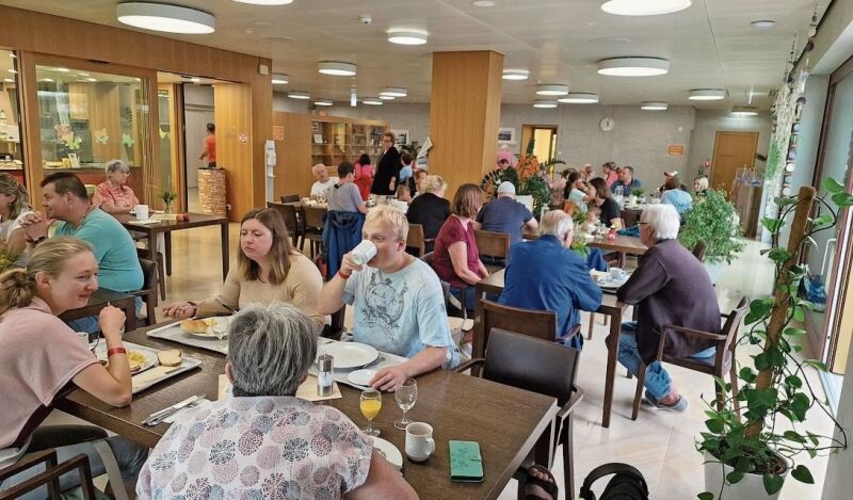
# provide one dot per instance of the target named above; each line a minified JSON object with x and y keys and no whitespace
{"x":293,"y":155}
{"x":232,"y":108}
{"x":464,"y":115}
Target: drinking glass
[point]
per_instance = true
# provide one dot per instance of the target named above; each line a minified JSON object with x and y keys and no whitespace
{"x":219,"y":327}
{"x":406,"y":395}
{"x":370,"y":403}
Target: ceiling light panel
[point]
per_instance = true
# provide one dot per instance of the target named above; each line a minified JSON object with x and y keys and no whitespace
{"x":644,"y":7}
{"x":579,"y":98}
{"x":407,"y":37}
{"x":279,"y":79}
{"x":298,"y":94}
{"x":744,"y":111}
{"x":372,"y":101}
{"x":166,"y":18}
{"x":545,"y":104}
{"x":323,"y":102}
{"x":633,"y":66}
{"x":707,"y":94}
{"x":265,"y":2}
{"x":394,"y":92}
{"x":335,"y":68}
{"x":515,"y":74}
{"x":654,"y":106}
{"x":552,"y":89}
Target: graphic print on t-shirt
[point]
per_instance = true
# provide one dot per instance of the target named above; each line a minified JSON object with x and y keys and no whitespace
{"x":383,"y":305}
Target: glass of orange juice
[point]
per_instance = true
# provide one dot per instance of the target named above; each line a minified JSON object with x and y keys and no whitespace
{"x":370,"y":403}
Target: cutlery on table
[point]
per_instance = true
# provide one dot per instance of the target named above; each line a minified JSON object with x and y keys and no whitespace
{"x":157,"y":417}
{"x":224,"y":304}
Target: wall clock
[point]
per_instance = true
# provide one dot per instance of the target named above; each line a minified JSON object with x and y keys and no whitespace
{"x":606,"y":124}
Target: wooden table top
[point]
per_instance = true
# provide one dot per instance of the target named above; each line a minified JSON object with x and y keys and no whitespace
{"x":196,"y":220}
{"x":625,"y":244}
{"x":505,"y":421}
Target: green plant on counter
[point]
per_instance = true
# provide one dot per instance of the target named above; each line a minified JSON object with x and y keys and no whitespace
{"x":775,"y":390}
{"x":412,"y":148}
{"x":713,"y":220}
{"x":637,"y":192}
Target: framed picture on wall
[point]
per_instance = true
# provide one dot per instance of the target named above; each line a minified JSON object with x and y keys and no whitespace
{"x":318,"y":138}
{"x":506,"y":136}
{"x":72,"y":158}
{"x":401,"y":137}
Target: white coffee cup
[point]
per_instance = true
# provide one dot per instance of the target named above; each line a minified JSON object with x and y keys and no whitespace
{"x":419,"y":442}
{"x":83,"y":337}
{"x":363,"y":252}
{"x":617,"y":273}
{"x":141,"y":212}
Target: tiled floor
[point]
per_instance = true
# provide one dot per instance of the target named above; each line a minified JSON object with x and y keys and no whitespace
{"x":661,"y":445}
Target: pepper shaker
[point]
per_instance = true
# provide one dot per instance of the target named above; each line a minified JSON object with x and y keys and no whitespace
{"x":325,"y":375}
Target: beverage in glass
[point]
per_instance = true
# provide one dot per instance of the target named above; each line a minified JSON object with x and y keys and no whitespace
{"x":370,"y":404}
{"x":406,"y":395}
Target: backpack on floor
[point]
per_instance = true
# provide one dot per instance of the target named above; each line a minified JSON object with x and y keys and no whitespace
{"x":627,"y":483}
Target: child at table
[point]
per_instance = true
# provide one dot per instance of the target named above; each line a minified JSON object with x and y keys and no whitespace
{"x":593,"y":217}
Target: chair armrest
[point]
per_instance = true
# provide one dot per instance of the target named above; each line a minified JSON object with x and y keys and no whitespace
{"x":687,"y":331}
{"x":46,"y":456}
{"x":469,"y":364}
{"x":571,"y":403}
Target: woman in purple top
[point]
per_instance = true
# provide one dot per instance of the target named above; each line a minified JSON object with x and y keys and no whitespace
{"x":456,"y":258}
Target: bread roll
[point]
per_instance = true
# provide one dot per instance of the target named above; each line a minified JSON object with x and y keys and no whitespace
{"x":194,"y":325}
{"x":170,"y":358}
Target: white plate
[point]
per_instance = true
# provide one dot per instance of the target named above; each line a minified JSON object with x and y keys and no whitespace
{"x":151,"y":359}
{"x":350,"y":354}
{"x":219,"y":322}
{"x":611,"y":284}
{"x":361,"y":377}
{"x":392,"y":454}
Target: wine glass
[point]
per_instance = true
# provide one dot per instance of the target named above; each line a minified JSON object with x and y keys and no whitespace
{"x":370,"y":403}
{"x":406,"y":395}
{"x":219,"y":327}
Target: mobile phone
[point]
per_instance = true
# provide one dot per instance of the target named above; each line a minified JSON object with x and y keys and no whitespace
{"x":466,"y":463}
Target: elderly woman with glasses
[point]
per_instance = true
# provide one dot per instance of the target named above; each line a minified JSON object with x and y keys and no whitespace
{"x":113,"y":195}
{"x":264,"y":442}
{"x":670,"y":287}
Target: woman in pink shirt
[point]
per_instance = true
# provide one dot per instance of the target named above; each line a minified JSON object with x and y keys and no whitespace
{"x":42,"y":356}
{"x":610,"y":173}
{"x":114,"y":196}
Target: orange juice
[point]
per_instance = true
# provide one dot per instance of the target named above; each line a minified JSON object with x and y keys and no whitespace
{"x":370,"y":408}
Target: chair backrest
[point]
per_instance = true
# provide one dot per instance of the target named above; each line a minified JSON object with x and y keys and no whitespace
{"x":537,"y":324}
{"x":288,"y":198}
{"x":699,"y":250}
{"x":148,"y":292}
{"x":314,"y":217}
{"x":415,"y":239}
{"x":50,"y":476}
{"x":492,"y":244}
{"x":532,"y":364}
{"x":733,"y":321}
{"x":288,"y":213}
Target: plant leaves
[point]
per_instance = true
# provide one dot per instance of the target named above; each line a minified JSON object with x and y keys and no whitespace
{"x":824,"y":220}
{"x":772,"y":225}
{"x":773,"y":483}
{"x":705,"y":495}
{"x":802,"y":474}
{"x":758,"y":309}
{"x":832,"y":186}
{"x":782,"y":201}
{"x":794,"y":381}
{"x":843,"y":199}
{"x":816,"y":364}
{"x":734,"y":477}
{"x":793,"y":332}
{"x":714,"y":426}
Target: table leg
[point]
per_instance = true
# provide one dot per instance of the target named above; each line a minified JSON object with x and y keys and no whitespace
{"x":612,"y":350}
{"x":167,"y":236}
{"x":226,"y":258}
{"x":128,"y":305}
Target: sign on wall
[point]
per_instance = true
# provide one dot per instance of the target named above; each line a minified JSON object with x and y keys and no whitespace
{"x":675,"y":150}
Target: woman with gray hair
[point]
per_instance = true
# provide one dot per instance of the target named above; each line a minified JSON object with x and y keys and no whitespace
{"x":114,"y":196}
{"x":670,"y":287}
{"x":264,"y":442}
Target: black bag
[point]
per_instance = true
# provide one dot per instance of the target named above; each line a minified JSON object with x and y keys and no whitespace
{"x":627,"y":483}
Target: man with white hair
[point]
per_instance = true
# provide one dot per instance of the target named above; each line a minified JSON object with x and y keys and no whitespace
{"x":505,"y":215}
{"x":562,"y":285}
{"x":670,"y":287}
{"x":324,"y":182}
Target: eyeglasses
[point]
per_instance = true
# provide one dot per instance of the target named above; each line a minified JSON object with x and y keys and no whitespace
{"x":642,"y":223}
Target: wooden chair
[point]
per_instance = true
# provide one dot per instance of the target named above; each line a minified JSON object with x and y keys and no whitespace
{"x":148,"y":293}
{"x":538,"y":324}
{"x":493,"y":246}
{"x":289,"y":198}
{"x":718,"y":365}
{"x":50,"y":477}
{"x":291,"y":221}
{"x":161,"y":281}
{"x":455,"y":307}
{"x":543,"y":367}
{"x":313,"y":224}
{"x":699,"y":250}
{"x":415,"y":240}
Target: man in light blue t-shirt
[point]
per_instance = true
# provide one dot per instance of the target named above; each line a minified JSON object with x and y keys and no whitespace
{"x":398,"y":302}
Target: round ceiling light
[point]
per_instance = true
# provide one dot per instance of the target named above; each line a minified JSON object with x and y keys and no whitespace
{"x":166,"y":18}
{"x":644,"y":7}
{"x":633,"y":66}
{"x":266,"y":2}
{"x":744,"y":111}
{"x":654,"y":106}
{"x":763,"y":24}
{"x":372,"y":101}
{"x":579,"y":98}
{"x":483,"y":3}
{"x":336,"y":68}
{"x":298,"y":94}
{"x":323,"y":102}
{"x":386,"y":97}
{"x":545,"y":104}
{"x":279,"y":79}
{"x":554,"y":89}
{"x":394,"y":92}
{"x":407,"y":37}
{"x":515,"y":74}
{"x":707,"y":94}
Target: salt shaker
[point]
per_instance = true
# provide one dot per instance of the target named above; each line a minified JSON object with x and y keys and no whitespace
{"x":325,"y":375}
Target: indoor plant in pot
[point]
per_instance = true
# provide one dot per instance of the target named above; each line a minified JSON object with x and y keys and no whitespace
{"x":749,"y":457}
{"x":714,"y":220}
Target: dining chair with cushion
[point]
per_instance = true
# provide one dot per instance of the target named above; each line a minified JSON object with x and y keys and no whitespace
{"x":290,"y":214}
{"x":148,"y":293}
{"x":493,"y":248}
{"x":415,"y":241}
{"x":543,"y":367}
{"x":313,"y":223}
{"x":538,"y":324}
{"x":718,"y":365}
{"x":289,"y":198}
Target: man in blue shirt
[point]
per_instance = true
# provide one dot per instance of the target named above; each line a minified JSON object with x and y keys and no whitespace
{"x":547,"y":275}
{"x":505,"y":215}
{"x":626,"y":181}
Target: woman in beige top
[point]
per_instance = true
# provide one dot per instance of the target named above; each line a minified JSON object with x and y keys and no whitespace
{"x":268,"y":271}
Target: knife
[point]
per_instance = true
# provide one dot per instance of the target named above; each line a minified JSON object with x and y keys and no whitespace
{"x":157,"y":417}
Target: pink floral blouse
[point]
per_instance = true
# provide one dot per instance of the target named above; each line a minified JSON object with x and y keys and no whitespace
{"x":108,"y":197}
{"x":258,"y":448}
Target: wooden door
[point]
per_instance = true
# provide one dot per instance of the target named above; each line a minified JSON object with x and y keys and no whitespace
{"x":732,"y":151}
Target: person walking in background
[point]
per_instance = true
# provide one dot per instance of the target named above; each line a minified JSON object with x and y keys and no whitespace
{"x":387,"y":169}
{"x":209,"y":147}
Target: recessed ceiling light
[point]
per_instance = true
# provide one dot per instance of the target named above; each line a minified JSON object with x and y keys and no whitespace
{"x":483,"y":3}
{"x":515,"y":74}
{"x":407,"y":37}
{"x":644,"y":7}
{"x":63,"y":70}
{"x":46,"y":80}
{"x":633,"y":66}
{"x":552,"y":89}
{"x":763,"y":24}
{"x":90,"y":79}
{"x":386,"y":97}
{"x":545,"y":103}
{"x":195,"y":79}
{"x":165,"y":17}
{"x":279,"y":79}
{"x":336,"y":68}
{"x":654,"y":106}
{"x":744,"y":111}
{"x":323,"y":102}
{"x":298,"y":94}
{"x":372,"y":101}
{"x":394,"y":92}
{"x":266,"y":2}
{"x":707,"y":94}
{"x":579,"y":98}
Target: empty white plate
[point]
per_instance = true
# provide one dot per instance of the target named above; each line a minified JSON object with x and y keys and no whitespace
{"x":350,"y":354}
{"x":361,"y":377}
{"x":391,"y":453}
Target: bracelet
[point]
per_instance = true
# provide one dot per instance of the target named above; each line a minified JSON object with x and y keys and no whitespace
{"x":344,"y":276}
{"x":116,"y":350}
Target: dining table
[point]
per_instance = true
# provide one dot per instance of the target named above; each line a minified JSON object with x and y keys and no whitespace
{"x":630,"y":245}
{"x":102,"y":298}
{"x":506,"y":422}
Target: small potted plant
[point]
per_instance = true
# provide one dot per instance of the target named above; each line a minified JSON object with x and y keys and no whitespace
{"x":168,"y":196}
{"x":749,"y":456}
{"x":713,"y":220}
{"x":635,"y":195}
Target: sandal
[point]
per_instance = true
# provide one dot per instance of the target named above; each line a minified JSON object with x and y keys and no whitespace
{"x":549,"y":485}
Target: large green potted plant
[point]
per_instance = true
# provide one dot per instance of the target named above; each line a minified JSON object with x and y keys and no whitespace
{"x":714,"y":221}
{"x":748,"y":456}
